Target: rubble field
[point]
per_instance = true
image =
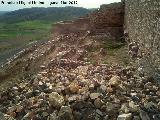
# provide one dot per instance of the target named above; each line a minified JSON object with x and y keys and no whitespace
{"x":69,"y":87}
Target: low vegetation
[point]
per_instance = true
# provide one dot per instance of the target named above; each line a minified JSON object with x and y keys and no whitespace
{"x":114,"y":53}
{"x":28,"y":30}
{"x":15,"y":36}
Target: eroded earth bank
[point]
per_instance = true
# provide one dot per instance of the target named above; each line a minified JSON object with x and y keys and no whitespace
{"x":83,"y":73}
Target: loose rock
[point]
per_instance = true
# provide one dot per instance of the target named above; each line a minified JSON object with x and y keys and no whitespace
{"x":125,"y":117}
{"x":94,"y":95}
{"x":114,"y":81}
{"x":56,"y":100}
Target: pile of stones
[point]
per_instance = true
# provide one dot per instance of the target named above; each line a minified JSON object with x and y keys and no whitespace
{"x":71,"y":89}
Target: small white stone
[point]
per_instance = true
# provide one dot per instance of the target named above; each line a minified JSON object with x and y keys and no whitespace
{"x":125,"y":116}
{"x":40,"y":83}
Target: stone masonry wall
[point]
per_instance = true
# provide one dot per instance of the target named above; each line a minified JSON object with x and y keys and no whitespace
{"x":108,"y":19}
{"x":142,"y":23}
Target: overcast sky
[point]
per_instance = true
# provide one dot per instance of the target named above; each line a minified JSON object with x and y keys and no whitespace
{"x":4,"y":6}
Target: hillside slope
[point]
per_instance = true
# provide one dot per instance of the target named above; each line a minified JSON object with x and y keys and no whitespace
{"x":48,"y":14}
{"x":3,"y":12}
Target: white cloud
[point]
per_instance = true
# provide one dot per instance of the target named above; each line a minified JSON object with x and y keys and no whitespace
{"x":95,"y":3}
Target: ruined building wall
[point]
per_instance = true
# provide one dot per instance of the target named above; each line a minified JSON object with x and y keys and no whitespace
{"x":108,"y":19}
{"x":142,"y":22}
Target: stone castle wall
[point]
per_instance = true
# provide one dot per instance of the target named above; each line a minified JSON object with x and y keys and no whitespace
{"x":108,"y":19}
{"x":142,"y":23}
